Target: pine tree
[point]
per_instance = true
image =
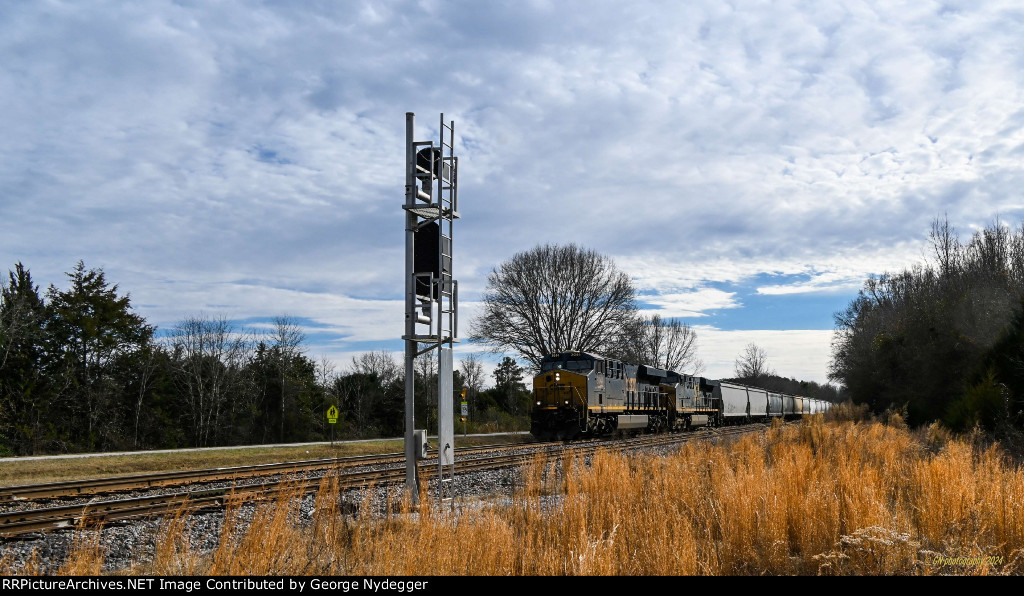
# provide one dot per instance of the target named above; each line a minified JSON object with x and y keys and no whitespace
{"x":508,"y":377}
{"x":22,"y":383}
{"x":91,"y":330}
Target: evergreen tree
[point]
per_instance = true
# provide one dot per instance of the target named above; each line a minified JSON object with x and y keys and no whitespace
{"x":23,"y":399}
{"x":91,"y":330}
{"x":508,"y":378}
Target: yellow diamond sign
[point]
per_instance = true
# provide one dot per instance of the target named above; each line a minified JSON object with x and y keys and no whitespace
{"x":332,"y":415}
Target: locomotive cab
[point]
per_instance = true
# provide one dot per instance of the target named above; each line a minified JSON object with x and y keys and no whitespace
{"x":561,"y":395}
{"x":579,"y":394}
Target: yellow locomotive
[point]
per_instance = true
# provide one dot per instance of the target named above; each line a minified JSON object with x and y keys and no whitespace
{"x":578,"y":394}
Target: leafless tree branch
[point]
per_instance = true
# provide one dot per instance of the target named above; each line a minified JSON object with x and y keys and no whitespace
{"x":552,"y":299}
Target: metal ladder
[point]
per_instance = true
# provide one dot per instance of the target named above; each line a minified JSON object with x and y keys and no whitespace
{"x":447,"y":307}
{"x":447,"y":195}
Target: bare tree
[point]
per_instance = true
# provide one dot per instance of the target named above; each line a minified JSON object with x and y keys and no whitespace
{"x":426,"y":366}
{"x":146,"y":371}
{"x":208,"y":356}
{"x":380,"y":363}
{"x":472,"y":369}
{"x":552,"y":299}
{"x":325,"y":376}
{"x":286,"y":339}
{"x":668,"y":344}
{"x":426,"y":391}
{"x":945,"y":245}
{"x":357,"y":396}
{"x":325,"y":370}
{"x":753,"y":363}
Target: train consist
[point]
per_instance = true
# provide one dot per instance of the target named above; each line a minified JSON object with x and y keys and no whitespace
{"x":577,"y":394}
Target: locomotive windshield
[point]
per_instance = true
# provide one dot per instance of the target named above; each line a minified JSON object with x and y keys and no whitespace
{"x":566,"y":363}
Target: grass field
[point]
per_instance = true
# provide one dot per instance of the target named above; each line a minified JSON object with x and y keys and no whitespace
{"x":812,"y":498}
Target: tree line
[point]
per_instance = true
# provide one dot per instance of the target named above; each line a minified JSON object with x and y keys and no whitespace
{"x":943,"y":339}
{"x":81,"y":371}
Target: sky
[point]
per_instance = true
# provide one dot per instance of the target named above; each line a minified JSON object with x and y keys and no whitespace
{"x":748,"y":164}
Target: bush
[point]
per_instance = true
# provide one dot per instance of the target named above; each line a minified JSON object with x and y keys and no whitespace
{"x":983,"y":404}
{"x":848,"y":412}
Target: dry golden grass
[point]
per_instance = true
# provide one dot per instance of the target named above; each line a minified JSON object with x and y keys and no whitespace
{"x":813,"y":498}
{"x":15,"y":472}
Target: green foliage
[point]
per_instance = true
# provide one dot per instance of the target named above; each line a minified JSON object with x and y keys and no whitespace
{"x":23,"y":391}
{"x":371,"y":405}
{"x":509,"y":390}
{"x":1006,"y":357}
{"x":66,"y":362}
{"x":508,"y":373}
{"x":994,"y":397}
{"x":91,"y":333}
{"x":925,"y":337}
{"x":494,"y":420}
{"x":983,"y":404}
{"x":486,"y":400}
{"x":81,"y":371}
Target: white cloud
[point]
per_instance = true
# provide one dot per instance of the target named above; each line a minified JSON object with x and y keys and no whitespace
{"x":800,"y":354}
{"x":187,"y":147}
{"x":679,"y":286}
{"x":694,"y":303}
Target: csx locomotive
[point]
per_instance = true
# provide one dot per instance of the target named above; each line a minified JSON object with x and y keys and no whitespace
{"x":578,"y":394}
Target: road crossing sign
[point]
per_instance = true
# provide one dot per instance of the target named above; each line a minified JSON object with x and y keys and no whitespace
{"x":332,"y":415}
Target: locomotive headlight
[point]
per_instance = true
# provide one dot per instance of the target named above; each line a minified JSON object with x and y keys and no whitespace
{"x":557,"y":376}
{"x":538,"y":403}
{"x":566,"y":402}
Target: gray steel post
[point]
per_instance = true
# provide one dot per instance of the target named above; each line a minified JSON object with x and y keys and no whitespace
{"x":411,"y":481}
{"x":445,"y":411}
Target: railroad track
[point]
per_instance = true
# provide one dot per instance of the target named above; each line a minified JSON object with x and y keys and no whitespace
{"x":108,"y":485}
{"x":31,"y":521}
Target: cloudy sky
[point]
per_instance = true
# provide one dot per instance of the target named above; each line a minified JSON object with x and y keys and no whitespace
{"x":749,"y":164}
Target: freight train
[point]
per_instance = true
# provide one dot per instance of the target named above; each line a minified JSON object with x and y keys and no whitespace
{"x":577,"y":395}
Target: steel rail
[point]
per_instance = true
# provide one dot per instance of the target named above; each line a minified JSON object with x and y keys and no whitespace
{"x":30,"y":521}
{"x":113,"y":484}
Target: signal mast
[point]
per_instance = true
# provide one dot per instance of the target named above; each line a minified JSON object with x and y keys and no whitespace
{"x":431,"y":293}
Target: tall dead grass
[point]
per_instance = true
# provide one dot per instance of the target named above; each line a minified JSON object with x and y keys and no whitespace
{"x":813,"y":498}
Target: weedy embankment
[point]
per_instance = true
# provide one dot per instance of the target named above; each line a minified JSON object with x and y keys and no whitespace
{"x":811,"y":498}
